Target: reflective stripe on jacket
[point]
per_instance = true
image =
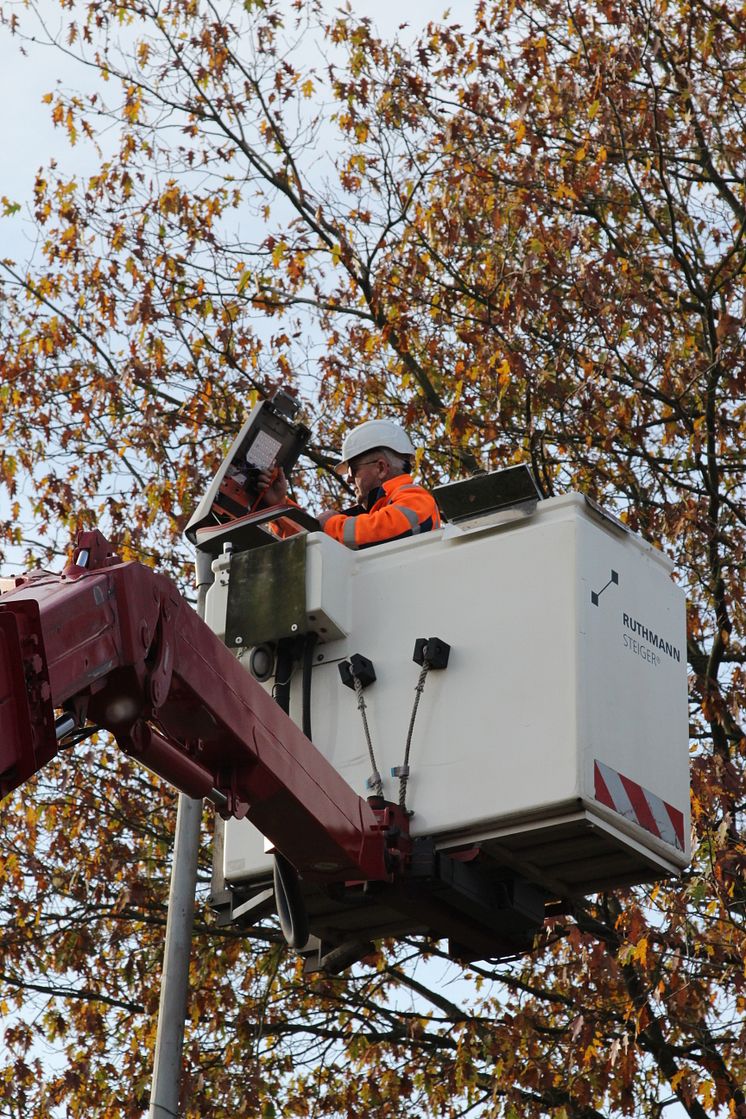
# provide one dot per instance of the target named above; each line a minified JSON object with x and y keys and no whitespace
{"x":400,"y":508}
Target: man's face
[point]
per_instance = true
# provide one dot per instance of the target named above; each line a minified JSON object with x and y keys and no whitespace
{"x":367,"y":471}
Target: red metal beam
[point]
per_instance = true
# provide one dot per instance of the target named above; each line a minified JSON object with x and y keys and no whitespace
{"x":118,"y":645}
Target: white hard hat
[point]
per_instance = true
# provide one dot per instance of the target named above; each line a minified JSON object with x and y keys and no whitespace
{"x":371,"y":434}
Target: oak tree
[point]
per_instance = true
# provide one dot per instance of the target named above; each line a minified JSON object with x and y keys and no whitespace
{"x":522,"y":236}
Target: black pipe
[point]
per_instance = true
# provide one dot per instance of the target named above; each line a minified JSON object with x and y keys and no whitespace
{"x":283,"y":673}
{"x":308,"y":651}
{"x":291,"y":906}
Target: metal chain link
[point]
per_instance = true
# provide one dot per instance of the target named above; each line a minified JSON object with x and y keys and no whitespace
{"x":375,"y":781}
{"x":404,"y":770}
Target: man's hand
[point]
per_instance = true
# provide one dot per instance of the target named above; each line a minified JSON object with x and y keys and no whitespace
{"x":324,"y":517}
{"x":273,"y":487}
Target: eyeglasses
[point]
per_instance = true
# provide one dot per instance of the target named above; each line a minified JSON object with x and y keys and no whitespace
{"x":353,"y":470}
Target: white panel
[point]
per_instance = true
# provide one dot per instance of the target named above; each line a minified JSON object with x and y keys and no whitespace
{"x":633,"y":701}
{"x":541,"y":682}
{"x":485,"y":723}
{"x":328,"y":586}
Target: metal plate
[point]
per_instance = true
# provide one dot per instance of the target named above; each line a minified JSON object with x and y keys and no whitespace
{"x":267,"y":593}
{"x":268,"y":438}
{"x":487,"y":493}
{"x":251,"y":531}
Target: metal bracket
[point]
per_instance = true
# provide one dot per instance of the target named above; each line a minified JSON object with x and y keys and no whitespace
{"x":432,"y":650}
{"x":357,"y":667}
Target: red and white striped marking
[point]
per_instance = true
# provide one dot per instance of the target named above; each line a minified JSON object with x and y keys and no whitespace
{"x":638,"y":805}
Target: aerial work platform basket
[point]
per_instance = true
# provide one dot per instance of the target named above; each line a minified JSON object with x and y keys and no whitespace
{"x":554,"y":743}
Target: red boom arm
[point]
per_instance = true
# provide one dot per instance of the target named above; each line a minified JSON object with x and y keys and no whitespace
{"x":115,"y":644}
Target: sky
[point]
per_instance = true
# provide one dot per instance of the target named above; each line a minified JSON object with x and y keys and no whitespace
{"x":29,"y":141}
{"x":26,"y":131}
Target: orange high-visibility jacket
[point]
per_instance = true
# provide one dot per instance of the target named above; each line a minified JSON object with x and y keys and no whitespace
{"x":399,"y":508}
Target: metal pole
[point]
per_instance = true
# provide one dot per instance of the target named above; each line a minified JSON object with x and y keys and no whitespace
{"x":172,"y":1009}
{"x":164,"y":1094}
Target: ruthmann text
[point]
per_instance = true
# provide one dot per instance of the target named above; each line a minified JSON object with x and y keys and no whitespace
{"x":650,"y":637}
